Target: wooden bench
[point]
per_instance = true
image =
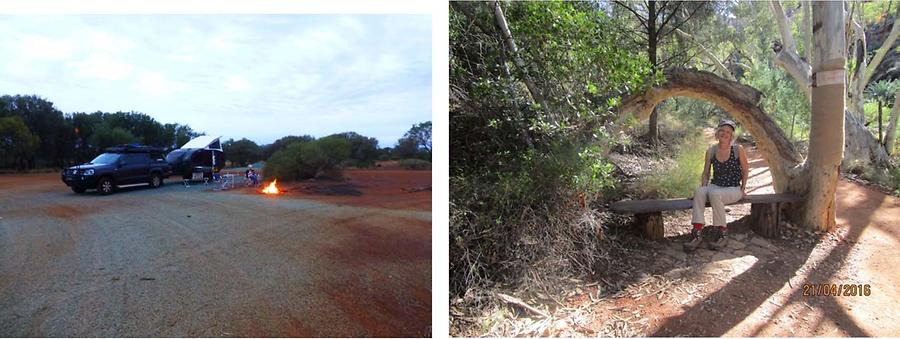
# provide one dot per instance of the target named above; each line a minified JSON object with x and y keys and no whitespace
{"x":765,"y":212}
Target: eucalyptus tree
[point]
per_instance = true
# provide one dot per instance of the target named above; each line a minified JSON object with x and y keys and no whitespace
{"x":860,"y":143}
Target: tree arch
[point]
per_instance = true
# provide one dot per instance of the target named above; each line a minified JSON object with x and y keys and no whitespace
{"x":741,"y":101}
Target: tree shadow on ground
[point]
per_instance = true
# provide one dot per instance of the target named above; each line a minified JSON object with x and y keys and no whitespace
{"x":739,"y":298}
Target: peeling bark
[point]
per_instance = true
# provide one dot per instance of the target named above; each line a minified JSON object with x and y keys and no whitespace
{"x":826,"y":126}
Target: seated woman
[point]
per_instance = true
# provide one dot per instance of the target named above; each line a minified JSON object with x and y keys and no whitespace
{"x":729,"y":184}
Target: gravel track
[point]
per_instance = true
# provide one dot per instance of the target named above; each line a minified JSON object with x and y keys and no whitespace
{"x":180,"y":261}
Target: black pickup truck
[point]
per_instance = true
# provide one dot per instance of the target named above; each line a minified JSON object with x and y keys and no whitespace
{"x":119,"y":166}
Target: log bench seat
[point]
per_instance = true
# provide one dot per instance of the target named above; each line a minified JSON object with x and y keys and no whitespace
{"x":765,"y":212}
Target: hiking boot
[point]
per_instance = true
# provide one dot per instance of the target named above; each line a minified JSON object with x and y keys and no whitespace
{"x":696,"y":239}
{"x":717,"y":239}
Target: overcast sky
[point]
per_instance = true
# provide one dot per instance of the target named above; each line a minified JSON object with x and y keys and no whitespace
{"x":259,"y":77}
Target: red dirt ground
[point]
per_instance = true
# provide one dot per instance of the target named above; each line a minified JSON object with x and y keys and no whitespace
{"x":388,"y":188}
{"x":219,"y":263}
{"x":765,"y":297}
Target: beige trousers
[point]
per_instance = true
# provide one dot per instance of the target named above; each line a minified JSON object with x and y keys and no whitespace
{"x":718,"y":198}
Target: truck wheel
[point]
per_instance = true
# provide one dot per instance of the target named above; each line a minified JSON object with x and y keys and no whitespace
{"x":105,"y":186}
{"x":79,"y":190}
{"x":155,"y":180}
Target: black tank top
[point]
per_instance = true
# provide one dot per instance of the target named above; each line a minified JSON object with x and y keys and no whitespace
{"x":728,"y":173}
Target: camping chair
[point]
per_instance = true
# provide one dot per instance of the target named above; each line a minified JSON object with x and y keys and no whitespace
{"x":227,"y":181}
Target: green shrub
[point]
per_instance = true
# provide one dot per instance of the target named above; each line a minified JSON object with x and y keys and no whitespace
{"x":309,"y":159}
{"x":415,"y":164}
{"x":595,"y":173}
{"x":681,"y":178}
{"x":895,"y":180}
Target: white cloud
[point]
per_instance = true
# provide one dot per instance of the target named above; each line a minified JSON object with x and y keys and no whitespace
{"x":228,"y":41}
{"x":236,"y":83}
{"x":101,"y":66}
{"x":318,"y":45}
{"x":40,"y":47}
{"x":96,"y":40}
{"x":182,"y":55}
{"x":158,"y":84}
{"x":351,"y":23}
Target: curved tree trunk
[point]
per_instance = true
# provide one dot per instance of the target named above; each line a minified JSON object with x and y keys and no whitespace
{"x":741,"y":101}
{"x":815,"y":178}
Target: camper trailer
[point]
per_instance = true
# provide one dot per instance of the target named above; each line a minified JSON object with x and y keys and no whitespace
{"x":197,"y":158}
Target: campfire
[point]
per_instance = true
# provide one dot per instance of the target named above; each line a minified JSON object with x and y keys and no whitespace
{"x":271,"y":188}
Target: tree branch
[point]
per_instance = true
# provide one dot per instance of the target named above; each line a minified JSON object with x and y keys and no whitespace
{"x":882,"y":51}
{"x":671,"y":14}
{"x":709,"y":55}
{"x":786,"y":54}
{"x":680,"y":53}
{"x":684,"y":21}
{"x":535,"y":92}
{"x":783,"y":28}
{"x":636,"y":15}
{"x":473,"y":18}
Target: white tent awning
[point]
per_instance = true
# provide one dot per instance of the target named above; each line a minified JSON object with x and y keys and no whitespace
{"x":204,"y":142}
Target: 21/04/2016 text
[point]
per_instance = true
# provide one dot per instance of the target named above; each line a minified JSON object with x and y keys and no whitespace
{"x":837,"y":290}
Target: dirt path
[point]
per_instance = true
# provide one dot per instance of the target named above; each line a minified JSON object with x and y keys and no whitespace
{"x":189,"y":262}
{"x":755,"y":287}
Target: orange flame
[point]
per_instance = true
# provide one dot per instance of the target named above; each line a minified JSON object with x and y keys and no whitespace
{"x":271,"y":188}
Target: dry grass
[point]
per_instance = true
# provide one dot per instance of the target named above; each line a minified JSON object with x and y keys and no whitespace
{"x":561,"y":251}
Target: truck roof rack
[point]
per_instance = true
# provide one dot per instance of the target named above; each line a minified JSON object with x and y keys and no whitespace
{"x":134,"y":148}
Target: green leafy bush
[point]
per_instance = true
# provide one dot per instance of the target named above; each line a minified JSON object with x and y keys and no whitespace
{"x":415,"y":164}
{"x":519,"y":167}
{"x":309,"y":159}
{"x":784,"y":101}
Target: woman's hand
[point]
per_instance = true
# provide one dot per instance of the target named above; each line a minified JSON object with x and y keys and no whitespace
{"x":743,"y":194}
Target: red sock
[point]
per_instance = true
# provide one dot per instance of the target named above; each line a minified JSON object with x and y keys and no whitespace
{"x":698,"y":226}
{"x":723,"y":229}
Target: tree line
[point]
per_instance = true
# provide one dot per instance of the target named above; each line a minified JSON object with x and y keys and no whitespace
{"x":35,"y":134}
{"x":363,"y":151}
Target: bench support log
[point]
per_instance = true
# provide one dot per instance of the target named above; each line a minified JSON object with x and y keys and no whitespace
{"x":652,"y":224}
{"x":765,"y":219}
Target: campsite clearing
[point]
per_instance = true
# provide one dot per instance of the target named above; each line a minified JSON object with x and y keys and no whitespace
{"x":179,"y":261}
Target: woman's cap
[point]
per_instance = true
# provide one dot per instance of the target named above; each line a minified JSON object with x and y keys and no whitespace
{"x":726,"y":122}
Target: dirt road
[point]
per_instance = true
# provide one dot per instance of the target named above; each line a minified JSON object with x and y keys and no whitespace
{"x":179,"y":261}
